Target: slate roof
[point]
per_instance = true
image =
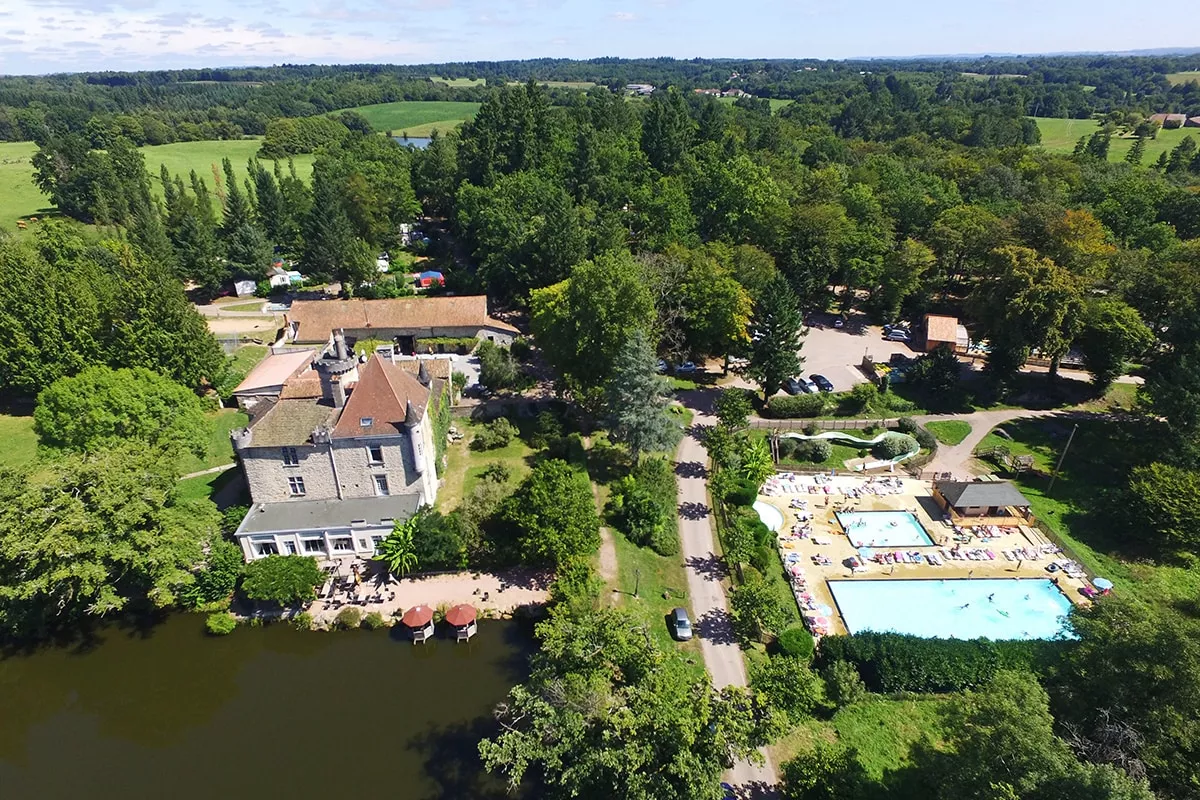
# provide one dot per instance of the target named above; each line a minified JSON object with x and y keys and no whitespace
{"x":320,"y":515}
{"x":291,"y":422}
{"x":981,"y":495}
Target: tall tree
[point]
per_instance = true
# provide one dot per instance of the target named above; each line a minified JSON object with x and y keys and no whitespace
{"x":1112,"y":333}
{"x":776,"y":336}
{"x":667,"y":130}
{"x":331,"y":249}
{"x":638,"y":398}
{"x":551,"y":517}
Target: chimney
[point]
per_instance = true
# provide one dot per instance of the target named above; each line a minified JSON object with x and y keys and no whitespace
{"x":339,"y":391}
{"x":339,"y":345}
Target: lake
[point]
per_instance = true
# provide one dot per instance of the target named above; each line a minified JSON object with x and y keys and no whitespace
{"x":419,"y":142}
{"x":264,"y":712}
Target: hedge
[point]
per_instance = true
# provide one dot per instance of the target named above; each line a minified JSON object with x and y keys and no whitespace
{"x":893,"y":662}
{"x":803,"y":405}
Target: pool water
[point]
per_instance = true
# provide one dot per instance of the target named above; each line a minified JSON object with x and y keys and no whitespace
{"x":883,"y":529}
{"x":771,"y":516}
{"x":992,"y":608}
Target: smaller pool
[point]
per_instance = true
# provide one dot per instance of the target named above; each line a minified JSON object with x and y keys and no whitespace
{"x":771,"y":516}
{"x":883,"y":529}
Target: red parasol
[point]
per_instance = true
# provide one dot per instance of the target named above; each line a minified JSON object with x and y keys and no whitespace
{"x":461,"y":615}
{"x":417,"y":616}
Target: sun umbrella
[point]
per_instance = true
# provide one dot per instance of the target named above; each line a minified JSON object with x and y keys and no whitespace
{"x":417,"y":616}
{"x":461,"y":615}
{"x":1102,"y":583}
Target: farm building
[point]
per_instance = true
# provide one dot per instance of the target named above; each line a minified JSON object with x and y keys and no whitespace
{"x":1170,"y":120}
{"x":942,"y":330}
{"x":403,"y":321}
{"x":1192,"y":122}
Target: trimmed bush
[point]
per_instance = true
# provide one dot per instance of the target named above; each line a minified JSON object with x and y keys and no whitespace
{"x":893,"y":662}
{"x":744,"y":493}
{"x":303,"y":621}
{"x":895,"y":444}
{"x":497,"y":433}
{"x":642,"y":506}
{"x":907,"y":425}
{"x":762,"y":557}
{"x":819,"y":450}
{"x":374,"y":621}
{"x":803,"y":405}
{"x":787,"y":448}
{"x":926,"y":439}
{"x":797,"y":642}
{"x":348,"y":618}
{"x":221,"y":623}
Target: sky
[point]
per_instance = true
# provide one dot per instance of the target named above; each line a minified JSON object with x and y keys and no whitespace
{"x":40,"y":36}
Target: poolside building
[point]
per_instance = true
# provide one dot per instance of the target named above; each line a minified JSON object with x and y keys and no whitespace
{"x":982,"y":503}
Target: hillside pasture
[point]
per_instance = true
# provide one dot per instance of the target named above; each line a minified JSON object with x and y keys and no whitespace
{"x":1060,"y":135}
{"x":19,"y":198}
{"x":1178,"y":78}
{"x":459,"y":82}
{"x":417,"y":117}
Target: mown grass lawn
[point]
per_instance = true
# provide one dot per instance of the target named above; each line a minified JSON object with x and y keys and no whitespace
{"x":181,"y":158}
{"x":1178,"y":78}
{"x":20,"y":442}
{"x":1060,"y":136}
{"x":416,"y":117}
{"x":949,"y":432}
{"x":220,"y":448}
{"x":464,"y":466}
{"x":882,"y":729}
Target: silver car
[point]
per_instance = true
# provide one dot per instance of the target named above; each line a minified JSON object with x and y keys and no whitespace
{"x":681,"y":625}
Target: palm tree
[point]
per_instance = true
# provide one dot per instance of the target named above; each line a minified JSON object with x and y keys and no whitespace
{"x":397,"y":550}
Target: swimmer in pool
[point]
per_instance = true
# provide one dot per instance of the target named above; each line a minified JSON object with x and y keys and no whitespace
{"x":1026,"y":597}
{"x":992,"y":598}
{"x":965,"y":605}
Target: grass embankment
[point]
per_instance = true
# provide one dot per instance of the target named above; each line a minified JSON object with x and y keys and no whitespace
{"x":883,"y":730}
{"x":417,"y":117}
{"x":949,"y":432}
{"x":20,"y":442}
{"x":1060,"y":136}
{"x":257,"y":305}
{"x":220,"y":448}
{"x":1096,"y":463}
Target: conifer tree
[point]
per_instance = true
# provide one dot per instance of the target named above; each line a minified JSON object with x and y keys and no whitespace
{"x":638,"y":398}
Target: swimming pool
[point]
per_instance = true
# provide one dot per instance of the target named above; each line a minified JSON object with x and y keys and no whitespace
{"x":771,"y":516}
{"x":993,"y":608}
{"x":883,"y":529}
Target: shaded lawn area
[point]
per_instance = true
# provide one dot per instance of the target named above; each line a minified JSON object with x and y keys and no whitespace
{"x":949,"y":432}
{"x":882,"y":729}
{"x":220,"y":448}
{"x":1079,"y":509}
{"x":464,"y":466}
{"x":254,"y":306}
{"x":20,"y":442}
{"x":206,"y":488}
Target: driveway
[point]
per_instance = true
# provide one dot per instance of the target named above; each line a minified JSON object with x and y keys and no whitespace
{"x":705,"y":571}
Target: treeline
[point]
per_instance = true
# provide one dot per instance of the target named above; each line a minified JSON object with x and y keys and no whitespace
{"x":208,"y":235}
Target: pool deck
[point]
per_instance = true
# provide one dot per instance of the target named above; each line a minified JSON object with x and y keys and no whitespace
{"x":914,"y":496}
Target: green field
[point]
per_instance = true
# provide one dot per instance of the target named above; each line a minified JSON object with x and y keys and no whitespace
{"x":1060,"y":136}
{"x":20,"y":442}
{"x":220,"y":448}
{"x":776,"y":103}
{"x":460,"y":82}
{"x":18,"y":196}
{"x":1177,"y":78}
{"x":949,"y":432}
{"x":417,"y":118}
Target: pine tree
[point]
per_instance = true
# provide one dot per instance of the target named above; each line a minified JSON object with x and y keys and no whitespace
{"x":1137,"y":152}
{"x":638,"y":398}
{"x":777,"y":334}
{"x":204,"y":205}
{"x":237,"y":205}
{"x":269,"y":211}
{"x":330,"y":248}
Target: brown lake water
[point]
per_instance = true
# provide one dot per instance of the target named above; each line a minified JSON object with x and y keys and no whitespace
{"x":270,"y":712}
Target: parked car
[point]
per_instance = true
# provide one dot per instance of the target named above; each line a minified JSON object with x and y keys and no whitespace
{"x":662,"y":366}
{"x":823,"y":383}
{"x":686,"y":367}
{"x":839,"y":321}
{"x":681,"y":624}
{"x":897,"y":326}
{"x":897,"y":335}
{"x":792,"y":386}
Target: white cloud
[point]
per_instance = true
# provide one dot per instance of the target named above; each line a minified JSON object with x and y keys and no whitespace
{"x":623,"y":16}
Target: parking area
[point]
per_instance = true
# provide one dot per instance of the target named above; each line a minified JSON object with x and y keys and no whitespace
{"x":837,"y":352}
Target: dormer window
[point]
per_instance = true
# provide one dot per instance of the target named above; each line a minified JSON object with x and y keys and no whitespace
{"x":366,"y":422}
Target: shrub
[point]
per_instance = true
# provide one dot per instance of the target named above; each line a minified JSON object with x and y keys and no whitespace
{"x":810,"y":429}
{"x":861,"y":397}
{"x":520,"y":348}
{"x":282,"y":579}
{"x":497,"y":367}
{"x":761,"y":558}
{"x":804,"y":405}
{"x":221,"y":623}
{"x":797,"y":642}
{"x":893,"y":662}
{"x":843,"y":685}
{"x":374,"y":621}
{"x":743,"y":493}
{"x":789,"y":686}
{"x":223,"y":566}
{"x":642,"y":506}
{"x":497,"y":472}
{"x":303,"y":621}
{"x":348,"y":618}
{"x":546,"y":431}
{"x":907,"y":425}
{"x":895,"y":444}
{"x":926,"y":440}
{"x":787,"y":448}
{"x":819,"y":450}
{"x":495,"y":434}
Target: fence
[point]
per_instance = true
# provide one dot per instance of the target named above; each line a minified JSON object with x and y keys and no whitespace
{"x":822,"y":424}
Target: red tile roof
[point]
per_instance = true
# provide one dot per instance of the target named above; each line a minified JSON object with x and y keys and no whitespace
{"x":384,"y":394}
{"x":939,"y":328}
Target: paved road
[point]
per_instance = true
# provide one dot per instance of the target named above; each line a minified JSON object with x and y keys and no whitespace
{"x":956,"y":459}
{"x":705,"y":569}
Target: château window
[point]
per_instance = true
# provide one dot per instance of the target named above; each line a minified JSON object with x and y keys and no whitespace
{"x":290,"y":457}
{"x":375,"y":454}
{"x":381,"y":485}
{"x":314,"y":546}
{"x":366,"y":422}
{"x":296,"y":485}
{"x":343,"y":543}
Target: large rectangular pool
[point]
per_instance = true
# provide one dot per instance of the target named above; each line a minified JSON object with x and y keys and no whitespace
{"x":992,"y":608}
{"x":883,"y":529}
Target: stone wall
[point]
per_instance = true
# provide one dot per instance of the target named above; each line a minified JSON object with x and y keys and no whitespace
{"x":267,"y":475}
